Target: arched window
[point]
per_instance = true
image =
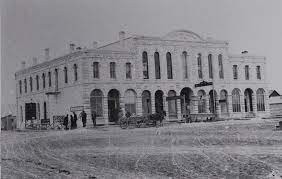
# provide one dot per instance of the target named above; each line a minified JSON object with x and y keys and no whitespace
{"x":128,"y":70}
{"x":95,"y":69}
{"x":130,"y":101}
{"x":210,"y":66}
{"x":45,"y":110}
{"x":200,"y":71}
{"x":43,"y":80}
{"x":172,"y":105}
{"x":236,"y":100}
{"x":30,"y":83}
{"x":157,"y":65}
{"x":185,"y":64}
{"x":145,"y":65}
{"x":96,"y":102}
{"x":169,"y":65}
{"x":37,"y":82}
{"x":66,"y":74}
{"x":56,"y":79}
{"x":50,"y":80}
{"x":20,"y":86}
{"x":258,"y":73}
{"x":260,"y":100}
{"x":25,"y":86}
{"x":235,"y":72}
{"x":247,"y":74}
{"x":113,"y":70}
{"x":75,"y":72}
{"x":201,"y":101}
{"x":146,"y":102}
{"x":220,"y":65}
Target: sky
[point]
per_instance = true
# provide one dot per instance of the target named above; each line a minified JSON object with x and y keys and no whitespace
{"x":29,"y":26}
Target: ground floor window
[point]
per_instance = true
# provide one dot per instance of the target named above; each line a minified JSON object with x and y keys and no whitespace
{"x":201,"y":102}
{"x":260,"y":100}
{"x":96,"y":102}
{"x":236,"y":106}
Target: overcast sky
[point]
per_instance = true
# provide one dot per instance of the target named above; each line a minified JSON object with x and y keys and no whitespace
{"x":29,"y":26}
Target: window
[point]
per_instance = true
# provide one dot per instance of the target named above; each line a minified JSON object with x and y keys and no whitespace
{"x":66,"y":74}
{"x":185,"y":64}
{"x":145,"y":65}
{"x":96,"y":102}
{"x":236,"y":100}
{"x":220,"y":65}
{"x":113,"y":70}
{"x":128,"y":70}
{"x":258,"y":73}
{"x":30,"y":83}
{"x":260,"y":100}
{"x":235,"y":72}
{"x":37,"y":82}
{"x":75,"y":72}
{"x":157,"y":65}
{"x":56,"y":80}
{"x":130,"y":101}
{"x":172,"y":105}
{"x":20,"y":86}
{"x":25,"y":86}
{"x":95,"y":69}
{"x":169,"y":65}
{"x":210,"y":66}
{"x":247,"y":74}
{"x":202,"y":101}
{"x":43,"y":80}
{"x":49,"y":77}
{"x":199,"y":60}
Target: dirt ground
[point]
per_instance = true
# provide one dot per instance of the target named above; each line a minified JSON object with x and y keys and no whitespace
{"x":226,"y":149}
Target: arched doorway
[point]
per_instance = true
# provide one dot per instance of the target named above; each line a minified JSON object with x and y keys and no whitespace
{"x":146,"y":103}
{"x":113,"y":105}
{"x":186,"y":103}
{"x":248,"y":100}
{"x":223,"y":101}
{"x":212,"y":101}
{"x":45,"y":110}
{"x":260,"y":100}
{"x":130,"y":101}
{"x":201,"y":101}
{"x":96,"y":102}
{"x":159,"y":101}
{"x":172,"y":104}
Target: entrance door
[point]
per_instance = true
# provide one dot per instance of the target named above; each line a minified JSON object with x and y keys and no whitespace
{"x":30,"y":111}
{"x":248,"y":100}
{"x":159,"y":101}
{"x":113,"y":105}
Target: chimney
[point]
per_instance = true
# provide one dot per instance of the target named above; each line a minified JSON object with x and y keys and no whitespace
{"x":34,"y":61}
{"x":72,"y":47}
{"x":47,"y":55}
{"x":95,"y":45}
{"x":121,"y":37}
{"x":23,"y":65}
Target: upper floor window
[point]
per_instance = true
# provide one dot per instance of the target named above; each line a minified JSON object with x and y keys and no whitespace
{"x":235,"y":72}
{"x":169,"y":65}
{"x":30,"y":83}
{"x":75,"y":72}
{"x":43,"y":80}
{"x":50,"y":80}
{"x":128,"y":70}
{"x":220,"y":65}
{"x":210,"y":66}
{"x":20,"y":86}
{"x":145,"y":65}
{"x":37,"y":82}
{"x":95,"y":69}
{"x":66,"y":74}
{"x":199,"y":60}
{"x":247,"y":73}
{"x":185,"y":64}
{"x":113,"y":70}
{"x":258,"y":73}
{"x":25,"y":86}
{"x":157,"y":65}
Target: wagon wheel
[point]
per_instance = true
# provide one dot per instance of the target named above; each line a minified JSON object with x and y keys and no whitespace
{"x":123,"y":123}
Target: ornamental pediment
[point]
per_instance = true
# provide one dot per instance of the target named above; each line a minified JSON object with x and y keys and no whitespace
{"x":183,"y":35}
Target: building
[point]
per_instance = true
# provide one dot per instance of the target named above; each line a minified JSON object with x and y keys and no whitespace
{"x":8,"y":122}
{"x":138,"y":73}
{"x":275,"y":103}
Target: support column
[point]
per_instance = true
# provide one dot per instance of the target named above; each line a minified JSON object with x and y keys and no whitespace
{"x":165,"y":107}
{"x":106,"y":110}
{"x":195,"y":103}
{"x":242,"y":102}
{"x":178,"y":103}
{"x":153,"y":106}
{"x":207,"y":99}
{"x":139,"y":106}
{"x":229,"y":103}
{"x":122,"y":105}
{"x":254,"y":103}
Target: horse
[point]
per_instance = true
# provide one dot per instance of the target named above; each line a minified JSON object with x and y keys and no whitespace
{"x":157,"y":117}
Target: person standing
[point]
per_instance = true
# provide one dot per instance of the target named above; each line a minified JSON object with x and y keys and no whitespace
{"x":74,"y":120}
{"x":94,"y":115}
{"x":83,"y":117}
{"x":66,"y":122}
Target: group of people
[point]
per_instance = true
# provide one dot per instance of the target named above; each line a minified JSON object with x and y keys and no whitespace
{"x":74,"y":118}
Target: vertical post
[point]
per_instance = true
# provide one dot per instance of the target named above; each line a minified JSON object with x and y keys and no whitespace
{"x":106,"y":116}
{"x":178,"y":103}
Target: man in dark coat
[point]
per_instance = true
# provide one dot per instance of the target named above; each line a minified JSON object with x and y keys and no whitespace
{"x":66,"y":122}
{"x":83,"y":117}
{"x":94,"y":118}
{"x":74,"y":120}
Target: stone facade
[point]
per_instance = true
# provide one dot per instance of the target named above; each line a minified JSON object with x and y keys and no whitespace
{"x":143,"y":72}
